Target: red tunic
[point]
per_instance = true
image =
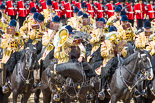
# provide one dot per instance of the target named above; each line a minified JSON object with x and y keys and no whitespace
{"x":21,"y":9}
{"x":90,"y":9}
{"x":32,"y":4}
{"x":68,"y":10}
{"x":78,"y":5}
{"x":139,"y":10}
{"x":10,"y":10}
{"x":100,"y":11}
{"x":150,"y":11}
{"x":130,"y":12}
{"x":110,"y":10}
{"x":57,"y":9}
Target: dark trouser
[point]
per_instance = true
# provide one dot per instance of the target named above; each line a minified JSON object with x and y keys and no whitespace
{"x":11,"y":63}
{"x":140,"y":23}
{"x":62,"y":17}
{"x":21,"y":20}
{"x":108,"y":70}
{"x":13,"y":17}
{"x":132,"y":22}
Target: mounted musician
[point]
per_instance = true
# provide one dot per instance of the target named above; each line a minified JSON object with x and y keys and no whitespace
{"x":3,"y":25}
{"x":125,"y":30}
{"x":74,"y":21}
{"x":48,"y":13}
{"x":65,"y":46}
{"x":115,"y":19}
{"x":48,"y":37}
{"x":29,"y":18}
{"x":145,"y":41}
{"x":97,"y":36}
{"x":25,"y":30}
{"x":38,"y":30}
{"x":86,"y":24}
{"x":142,"y":39}
{"x":107,"y":52}
{"x":12,"y":43}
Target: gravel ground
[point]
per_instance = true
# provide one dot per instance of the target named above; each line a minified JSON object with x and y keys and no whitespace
{"x":31,"y":99}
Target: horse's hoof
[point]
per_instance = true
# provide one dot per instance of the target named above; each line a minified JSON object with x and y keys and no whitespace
{"x":144,"y":93}
{"x":101,"y":95}
{"x":56,"y":97}
{"x":89,"y":97}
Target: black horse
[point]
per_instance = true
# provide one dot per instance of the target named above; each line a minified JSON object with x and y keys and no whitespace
{"x":108,"y":71}
{"x":150,"y":96}
{"x":124,"y":76}
{"x":22,"y":77}
{"x":54,"y":80}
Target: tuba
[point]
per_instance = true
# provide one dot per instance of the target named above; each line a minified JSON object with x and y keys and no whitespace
{"x":61,"y":37}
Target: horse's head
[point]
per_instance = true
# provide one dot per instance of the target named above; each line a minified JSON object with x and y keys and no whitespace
{"x":145,"y":64}
{"x":30,"y":56}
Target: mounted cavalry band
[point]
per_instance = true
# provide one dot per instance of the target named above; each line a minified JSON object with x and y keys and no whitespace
{"x":85,"y":51}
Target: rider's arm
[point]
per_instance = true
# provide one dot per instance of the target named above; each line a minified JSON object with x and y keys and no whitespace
{"x":23,"y":29}
{"x":4,"y":42}
{"x":82,"y":50}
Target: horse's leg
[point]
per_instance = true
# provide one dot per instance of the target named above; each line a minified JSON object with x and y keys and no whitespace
{"x":5,"y":97}
{"x":82,"y":100}
{"x":147,"y":100}
{"x":46,"y":96}
{"x":113,"y":99}
{"x":1,"y":95}
{"x":15,"y":95}
{"x":25,"y":97}
{"x":36,"y":96}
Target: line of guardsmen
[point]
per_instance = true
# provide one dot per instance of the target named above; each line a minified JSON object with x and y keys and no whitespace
{"x":43,"y":26}
{"x":97,"y":9}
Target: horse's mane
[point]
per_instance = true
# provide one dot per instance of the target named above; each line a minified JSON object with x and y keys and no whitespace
{"x":130,"y":48}
{"x":147,"y":53}
{"x":130,"y":58}
{"x":22,"y":55}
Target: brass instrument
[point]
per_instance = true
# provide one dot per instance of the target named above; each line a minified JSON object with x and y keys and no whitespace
{"x":17,"y":35}
{"x":61,"y":37}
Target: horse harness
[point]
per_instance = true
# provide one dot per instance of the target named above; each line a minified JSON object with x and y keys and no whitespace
{"x":26,"y":80}
{"x":62,"y":82}
{"x":125,"y":81}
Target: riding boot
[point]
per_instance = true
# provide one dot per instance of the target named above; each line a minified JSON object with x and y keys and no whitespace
{"x":101,"y":94}
{"x":7,"y":87}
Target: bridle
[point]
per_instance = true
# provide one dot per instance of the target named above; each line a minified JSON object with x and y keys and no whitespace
{"x":140,"y":77}
{"x":29,"y":77}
